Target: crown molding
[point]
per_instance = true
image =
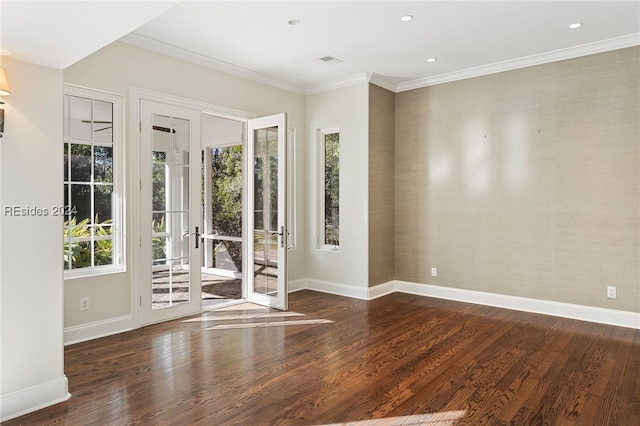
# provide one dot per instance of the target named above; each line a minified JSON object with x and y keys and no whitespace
{"x":205,"y":61}
{"x":367,"y":77}
{"x":382,"y":82}
{"x":527,"y":61}
{"x":337,"y":84}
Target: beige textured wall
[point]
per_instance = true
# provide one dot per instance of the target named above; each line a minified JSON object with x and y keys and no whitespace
{"x":381,"y":185}
{"x":525,"y":182}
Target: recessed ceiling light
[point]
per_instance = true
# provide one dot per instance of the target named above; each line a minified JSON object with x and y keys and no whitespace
{"x":575,"y":25}
{"x":294,"y":21}
{"x":430,"y":60}
{"x":406,"y":18}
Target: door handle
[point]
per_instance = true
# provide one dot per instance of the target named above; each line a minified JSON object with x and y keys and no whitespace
{"x":281,"y":233}
{"x":197,"y":235}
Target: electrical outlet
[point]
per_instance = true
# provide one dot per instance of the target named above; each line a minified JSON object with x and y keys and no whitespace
{"x":84,"y":304}
{"x":611,"y":292}
{"x":434,"y":272}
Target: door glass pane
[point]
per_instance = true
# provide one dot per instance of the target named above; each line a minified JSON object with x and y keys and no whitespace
{"x":170,"y":216}
{"x":266,"y":238}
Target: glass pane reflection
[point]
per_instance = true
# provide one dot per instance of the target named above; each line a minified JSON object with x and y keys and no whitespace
{"x":170,"y":211}
{"x":266,"y":238}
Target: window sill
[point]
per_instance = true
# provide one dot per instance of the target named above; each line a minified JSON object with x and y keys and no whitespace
{"x":328,"y":248}
{"x":93,"y":272}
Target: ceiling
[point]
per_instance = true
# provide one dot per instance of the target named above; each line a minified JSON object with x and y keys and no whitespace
{"x":255,"y":39}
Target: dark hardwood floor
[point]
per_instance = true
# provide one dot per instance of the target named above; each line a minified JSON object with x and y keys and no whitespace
{"x":399,"y":359}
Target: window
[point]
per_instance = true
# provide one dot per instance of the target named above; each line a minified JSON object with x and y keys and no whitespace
{"x":329,"y":193}
{"x":92,"y":215}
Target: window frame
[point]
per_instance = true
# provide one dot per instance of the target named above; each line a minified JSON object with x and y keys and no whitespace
{"x":118,"y":195}
{"x":321,"y":217}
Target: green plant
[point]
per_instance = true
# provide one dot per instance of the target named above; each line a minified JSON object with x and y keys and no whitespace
{"x":77,"y":243}
{"x":158,"y":244}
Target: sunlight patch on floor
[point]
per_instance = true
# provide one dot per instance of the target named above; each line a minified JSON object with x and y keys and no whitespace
{"x":245,"y":306}
{"x":270,"y":324}
{"x":445,"y":418}
{"x":250,"y":315}
{"x":244,"y":316}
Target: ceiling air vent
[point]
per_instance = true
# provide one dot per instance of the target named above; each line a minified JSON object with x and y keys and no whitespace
{"x":331,"y":60}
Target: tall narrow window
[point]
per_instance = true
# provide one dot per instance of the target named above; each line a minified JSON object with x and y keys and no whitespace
{"x":329,"y":199}
{"x":91,"y":214}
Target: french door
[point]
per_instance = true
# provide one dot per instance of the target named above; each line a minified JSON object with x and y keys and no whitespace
{"x":267,"y":206}
{"x":170,"y":212}
{"x":171,"y":205}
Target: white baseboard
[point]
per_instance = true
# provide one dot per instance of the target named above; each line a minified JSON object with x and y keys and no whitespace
{"x":33,"y":398}
{"x":296,"y":285}
{"x":382,"y":290}
{"x":524,"y":304}
{"x":627,"y":319}
{"x":329,"y":287}
{"x":546,"y":307}
{"x":94,"y":330}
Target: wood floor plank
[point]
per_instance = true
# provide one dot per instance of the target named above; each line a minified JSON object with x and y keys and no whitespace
{"x":621,"y":397}
{"x":396,"y":359}
{"x":545,"y":346}
{"x":402,"y":371}
{"x":448,"y":378}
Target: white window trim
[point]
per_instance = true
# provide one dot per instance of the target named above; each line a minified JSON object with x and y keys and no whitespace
{"x":320,"y":188}
{"x":119,"y":246}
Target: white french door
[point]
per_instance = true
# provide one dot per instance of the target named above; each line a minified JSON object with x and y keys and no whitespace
{"x":170,"y":212}
{"x":267,"y":211}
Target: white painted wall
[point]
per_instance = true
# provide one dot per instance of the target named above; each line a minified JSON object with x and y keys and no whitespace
{"x":119,"y":67}
{"x":348,"y":109}
{"x":31,"y":284}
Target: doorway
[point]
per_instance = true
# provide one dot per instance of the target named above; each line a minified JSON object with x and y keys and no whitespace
{"x":226,"y":242}
{"x":202,"y":188}
{"x":222,"y":211}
